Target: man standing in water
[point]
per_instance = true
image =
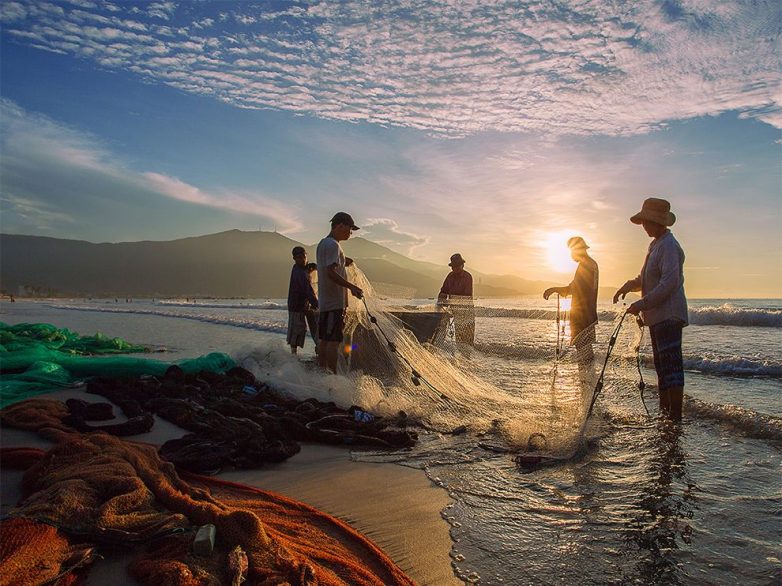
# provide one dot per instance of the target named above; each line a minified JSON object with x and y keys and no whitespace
{"x":456,"y":292}
{"x":301,"y":301}
{"x":333,"y":288}
{"x":583,"y":307}
{"x":663,"y":305}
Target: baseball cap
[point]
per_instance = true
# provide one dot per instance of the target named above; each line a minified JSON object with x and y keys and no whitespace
{"x":344,"y":218}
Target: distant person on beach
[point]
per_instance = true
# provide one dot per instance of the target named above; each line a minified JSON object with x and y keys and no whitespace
{"x":333,"y":288}
{"x":583,"y":307}
{"x":302,"y":302}
{"x":663,"y":305}
{"x":456,"y":294}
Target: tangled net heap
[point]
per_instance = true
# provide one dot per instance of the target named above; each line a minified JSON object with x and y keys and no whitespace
{"x":94,"y":489}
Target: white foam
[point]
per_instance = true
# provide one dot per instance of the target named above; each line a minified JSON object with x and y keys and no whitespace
{"x":730,"y":315}
{"x":727,"y":365}
{"x":259,"y":324}
{"x":751,"y":423}
{"x":268,"y":305}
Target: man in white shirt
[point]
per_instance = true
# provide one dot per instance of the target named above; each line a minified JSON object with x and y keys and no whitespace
{"x":663,"y":305}
{"x":333,"y":288}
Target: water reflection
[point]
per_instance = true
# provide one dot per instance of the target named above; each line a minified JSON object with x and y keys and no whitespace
{"x":666,"y":506}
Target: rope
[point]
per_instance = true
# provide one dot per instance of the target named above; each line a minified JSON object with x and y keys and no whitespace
{"x":416,"y":377}
{"x":611,"y":344}
{"x":641,"y":383}
{"x":558,"y":336}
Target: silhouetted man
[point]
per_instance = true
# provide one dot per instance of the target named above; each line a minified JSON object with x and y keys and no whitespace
{"x":301,"y":301}
{"x":456,"y":293}
{"x":583,"y":289}
{"x":663,"y":304}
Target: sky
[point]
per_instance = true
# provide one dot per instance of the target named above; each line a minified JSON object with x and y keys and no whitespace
{"x":493,"y":129}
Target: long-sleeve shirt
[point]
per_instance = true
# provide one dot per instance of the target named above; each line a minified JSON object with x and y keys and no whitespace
{"x":661,"y":282}
{"x":301,"y":295}
{"x":583,"y":288}
{"x":457,"y":288}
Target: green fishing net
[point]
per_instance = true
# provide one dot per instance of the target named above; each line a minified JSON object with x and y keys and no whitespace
{"x":39,"y":358}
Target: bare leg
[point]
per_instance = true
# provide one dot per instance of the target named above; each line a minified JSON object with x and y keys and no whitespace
{"x":328,"y":355}
{"x":322,"y":353}
{"x":675,"y":398}
{"x":665,"y":403}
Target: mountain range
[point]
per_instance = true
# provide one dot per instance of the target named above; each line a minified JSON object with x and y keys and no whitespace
{"x":227,"y":264}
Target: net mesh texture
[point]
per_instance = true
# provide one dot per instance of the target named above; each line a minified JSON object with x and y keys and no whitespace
{"x":526,"y":378}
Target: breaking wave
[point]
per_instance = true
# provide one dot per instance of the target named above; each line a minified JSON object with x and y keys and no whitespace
{"x":751,"y":423}
{"x":237,"y":305}
{"x":729,"y":315}
{"x":723,"y":315}
{"x":258,"y":324}
{"x":727,"y":366}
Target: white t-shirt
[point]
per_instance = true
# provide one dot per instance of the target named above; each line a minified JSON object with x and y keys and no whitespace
{"x":331,"y":296}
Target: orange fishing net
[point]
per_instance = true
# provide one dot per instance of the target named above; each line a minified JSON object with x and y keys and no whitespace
{"x":36,"y":553}
{"x":102,"y":489}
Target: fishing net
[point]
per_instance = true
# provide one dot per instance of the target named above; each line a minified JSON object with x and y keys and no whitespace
{"x":39,"y":358}
{"x":527,"y":379}
{"x":94,"y":489}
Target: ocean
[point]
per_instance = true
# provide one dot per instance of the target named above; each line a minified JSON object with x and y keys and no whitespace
{"x":642,"y":502}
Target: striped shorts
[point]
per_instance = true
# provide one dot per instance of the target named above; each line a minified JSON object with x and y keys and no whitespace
{"x":667,"y":350}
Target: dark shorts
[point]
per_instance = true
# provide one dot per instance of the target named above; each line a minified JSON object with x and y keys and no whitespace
{"x":331,"y":324}
{"x":667,"y":350}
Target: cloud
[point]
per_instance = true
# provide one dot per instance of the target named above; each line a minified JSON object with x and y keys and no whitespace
{"x":388,"y":233}
{"x":49,"y":168}
{"x":282,"y":215}
{"x":32,"y":214}
{"x":452,"y":68}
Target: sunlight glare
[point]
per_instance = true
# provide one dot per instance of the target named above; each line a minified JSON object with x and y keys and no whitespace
{"x":557,"y":252}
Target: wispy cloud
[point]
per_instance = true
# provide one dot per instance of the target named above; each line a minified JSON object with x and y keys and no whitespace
{"x":48,"y":168}
{"x":450,"y":68}
{"x":264,"y":207}
{"x":388,"y":233}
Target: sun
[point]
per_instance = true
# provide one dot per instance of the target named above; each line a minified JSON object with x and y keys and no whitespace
{"x":557,"y":252}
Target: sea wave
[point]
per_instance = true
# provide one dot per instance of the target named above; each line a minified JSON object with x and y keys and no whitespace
{"x":530,"y":313}
{"x":727,"y":365}
{"x":278,"y":327}
{"x":723,"y":366}
{"x":723,"y":315}
{"x":238,"y":305}
{"x":515,"y":351}
{"x":729,"y":315}
{"x":749,"y":422}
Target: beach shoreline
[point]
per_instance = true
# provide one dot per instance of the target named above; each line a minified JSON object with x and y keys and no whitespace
{"x":397,"y":507}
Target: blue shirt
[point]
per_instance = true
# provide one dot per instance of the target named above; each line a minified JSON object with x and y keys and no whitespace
{"x":301,"y":295}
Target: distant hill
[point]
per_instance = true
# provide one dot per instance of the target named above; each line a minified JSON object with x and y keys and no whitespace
{"x":227,"y":264}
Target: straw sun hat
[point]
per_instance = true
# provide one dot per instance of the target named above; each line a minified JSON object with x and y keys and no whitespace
{"x":655,"y":210}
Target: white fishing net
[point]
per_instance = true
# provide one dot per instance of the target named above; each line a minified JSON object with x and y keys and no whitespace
{"x":414,"y":359}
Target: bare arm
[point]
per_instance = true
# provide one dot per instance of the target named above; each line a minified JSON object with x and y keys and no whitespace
{"x":629,"y":286}
{"x":339,"y":280}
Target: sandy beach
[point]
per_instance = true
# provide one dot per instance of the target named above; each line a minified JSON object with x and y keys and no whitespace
{"x":396,"y":507}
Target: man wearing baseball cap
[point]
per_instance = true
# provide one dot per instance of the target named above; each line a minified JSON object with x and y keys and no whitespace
{"x":456,"y":292}
{"x":663,"y":305}
{"x":583,"y":307}
{"x":333,"y":288}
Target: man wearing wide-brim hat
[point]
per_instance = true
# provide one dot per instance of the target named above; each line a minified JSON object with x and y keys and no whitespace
{"x":456,"y":292}
{"x":583,"y":290}
{"x":663,"y":305}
